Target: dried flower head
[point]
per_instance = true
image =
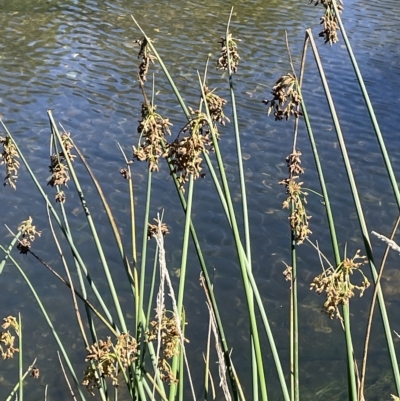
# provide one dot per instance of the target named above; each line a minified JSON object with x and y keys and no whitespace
{"x":9,"y":157}
{"x":288,"y":272}
{"x":104,"y":358}
{"x":35,"y":372}
{"x":170,"y":340}
{"x":152,"y":129}
{"x":222,"y":63}
{"x":58,"y":166}
{"x":125,"y":173}
{"x":297,"y":197}
{"x":286,"y":101}
{"x":28,"y":234}
{"x":146,"y":56}
{"x":184,"y":153}
{"x":59,"y":171}
{"x":152,"y":229}
{"x":329,"y":20}
{"x":60,"y":197}
{"x":215,"y":105}
{"x":336,"y":284}
{"x":68,"y":146}
{"x":7,"y":338}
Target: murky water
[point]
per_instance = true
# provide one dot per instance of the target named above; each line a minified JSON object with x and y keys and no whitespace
{"x":79,"y":59}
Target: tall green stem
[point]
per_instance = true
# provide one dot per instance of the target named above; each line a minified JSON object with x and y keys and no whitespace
{"x":182,"y":276}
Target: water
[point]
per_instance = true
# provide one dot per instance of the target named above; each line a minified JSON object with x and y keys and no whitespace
{"x":78,"y":58}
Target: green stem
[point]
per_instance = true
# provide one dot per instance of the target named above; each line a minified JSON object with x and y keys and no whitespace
{"x":182,"y":276}
{"x":20,"y":360}
{"x":350,"y":354}
{"x":244,"y":201}
{"x":294,"y":323}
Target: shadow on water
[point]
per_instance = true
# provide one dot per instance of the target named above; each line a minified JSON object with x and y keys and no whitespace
{"x":79,"y":59}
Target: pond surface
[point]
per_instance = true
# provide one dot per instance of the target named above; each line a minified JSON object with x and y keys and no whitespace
{"x":79,"y":59}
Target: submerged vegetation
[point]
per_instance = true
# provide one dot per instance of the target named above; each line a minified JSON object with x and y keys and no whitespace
{"x":150,"y":359}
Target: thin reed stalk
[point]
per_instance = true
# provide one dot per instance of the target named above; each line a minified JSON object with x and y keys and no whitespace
{"x":20,"y":360}
{"x":182,"y":275}
{"x":244,"y":205}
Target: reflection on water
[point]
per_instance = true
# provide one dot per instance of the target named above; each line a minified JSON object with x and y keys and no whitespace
{"x":79,"y":59}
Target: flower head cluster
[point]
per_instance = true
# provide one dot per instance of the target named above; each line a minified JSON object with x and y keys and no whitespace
{"x":146,"y":56}
{"x":228,"y":44}
{"x":184,"y":153}
{"x":58,"y":166}
{"x":286,"y":100}
{"x":104,"y":358}
{"x":215,"y":105}
{"x":170,"y":340}
{"x":336,"y":284}
{"x":9,"y":157}
{"x":29,"y":233}
{"x":7,"y":338}
{"x":298,"y":218}
{"x":152,"y":129}
{"x":152,"y":229}
{"x":329,"y":20}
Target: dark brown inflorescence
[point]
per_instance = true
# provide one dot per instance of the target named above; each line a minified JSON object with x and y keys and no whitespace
{"x":146,"y":56}
{"x":329,"y":20}
{"x":215,"y":106}
{"x":9,"y":157}
{"x":184,"y":153}
{"x":152,"y":129}
{"x":336,"y":284}
{"x":286,"y":100}
{"x":222,"y":63}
